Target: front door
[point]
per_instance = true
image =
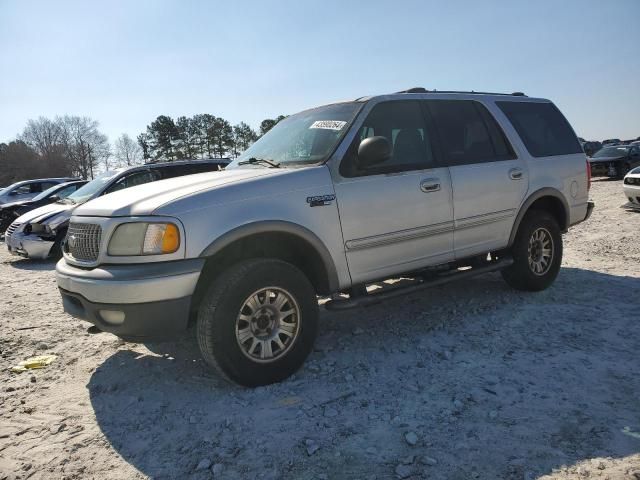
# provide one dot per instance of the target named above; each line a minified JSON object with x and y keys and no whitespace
{"x":396,"y":216}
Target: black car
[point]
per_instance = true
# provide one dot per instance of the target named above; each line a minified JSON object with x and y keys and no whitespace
{"x":10,"y":211}
{"x":615,"y":161}
{"x":590,"y":148}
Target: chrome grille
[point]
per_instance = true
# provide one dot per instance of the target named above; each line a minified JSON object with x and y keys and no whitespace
{"x":83,"y":241}
{"x":12,"y":228}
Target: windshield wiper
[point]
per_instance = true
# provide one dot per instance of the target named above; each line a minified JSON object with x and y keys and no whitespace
{"x":260,"y":161}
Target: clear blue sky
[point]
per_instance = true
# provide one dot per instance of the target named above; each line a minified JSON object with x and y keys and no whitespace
{"x":124,"y":63}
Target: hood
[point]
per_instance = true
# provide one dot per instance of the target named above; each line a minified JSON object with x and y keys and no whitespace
{"x":43,"y":213}
{"x":15,"y":204}
{"x":147,"y":198}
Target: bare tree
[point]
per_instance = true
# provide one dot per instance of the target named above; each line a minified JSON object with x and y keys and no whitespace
{"x":127,"y":151}
{"x":45,"y":137}
{"x":85,"y":146}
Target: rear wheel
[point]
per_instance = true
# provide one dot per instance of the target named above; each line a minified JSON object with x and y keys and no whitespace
{"x":258,"y":321}
{"x":536,"y":251}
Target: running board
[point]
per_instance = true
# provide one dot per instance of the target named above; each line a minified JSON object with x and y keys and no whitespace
{"x":392,"y":292}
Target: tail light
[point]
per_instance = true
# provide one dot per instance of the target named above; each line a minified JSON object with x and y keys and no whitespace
{"x":588,"y":176}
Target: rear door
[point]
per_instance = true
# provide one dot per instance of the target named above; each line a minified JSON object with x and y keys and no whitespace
{"x":489,"y":182}
{"x":395,"y":216}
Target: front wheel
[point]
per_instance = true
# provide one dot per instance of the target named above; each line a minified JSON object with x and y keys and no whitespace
{"x":258,"y":321}
{"x":537,"y":253}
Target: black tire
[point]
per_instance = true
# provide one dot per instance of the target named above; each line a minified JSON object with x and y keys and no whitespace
{"x":522,"y":275}
{"x":56,"y":249}
{"x":221,"y":307}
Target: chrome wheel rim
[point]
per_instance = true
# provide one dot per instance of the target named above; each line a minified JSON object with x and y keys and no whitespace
{"x":540,"y":251}
{"x":268,"y":324}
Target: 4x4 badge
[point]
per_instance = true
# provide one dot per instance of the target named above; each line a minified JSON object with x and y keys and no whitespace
{"x":320,"y":200}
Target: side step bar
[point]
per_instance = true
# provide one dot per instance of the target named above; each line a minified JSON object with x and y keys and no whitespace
{"x":391,"y":292}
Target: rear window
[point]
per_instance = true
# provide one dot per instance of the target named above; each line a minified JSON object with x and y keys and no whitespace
{"x":542,"y":128}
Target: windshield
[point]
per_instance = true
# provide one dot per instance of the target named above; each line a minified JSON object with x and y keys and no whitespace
{"x":11,"y":187}
{"x":307,"y":137}
{"x":92,"y":188}
{"x":47,"y":192}
{"x":611,"y":152}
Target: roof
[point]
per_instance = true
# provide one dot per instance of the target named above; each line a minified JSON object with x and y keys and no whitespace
{"x":423,"y":93}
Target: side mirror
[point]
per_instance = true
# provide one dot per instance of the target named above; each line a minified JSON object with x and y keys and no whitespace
{"x":373,"y":150}
{"x":13,"y":193}
{"x":54,"y":198}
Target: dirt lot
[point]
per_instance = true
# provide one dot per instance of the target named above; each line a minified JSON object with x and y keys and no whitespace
{"x":464,"y":381}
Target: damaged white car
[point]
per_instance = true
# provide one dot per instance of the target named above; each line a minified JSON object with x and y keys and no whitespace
{"x":39,"y":233}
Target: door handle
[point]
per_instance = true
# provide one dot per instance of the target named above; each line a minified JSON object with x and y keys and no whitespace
{"x":430,"y":185}
{"x":515,"y":174}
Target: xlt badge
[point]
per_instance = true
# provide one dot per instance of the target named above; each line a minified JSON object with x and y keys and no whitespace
{"x":320,"y":200}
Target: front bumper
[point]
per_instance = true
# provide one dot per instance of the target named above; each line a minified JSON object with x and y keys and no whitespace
{"x":632,"y":192}
{"x":28,"y":246}
{"x":141,"y":301}
{"x":611,"y":168}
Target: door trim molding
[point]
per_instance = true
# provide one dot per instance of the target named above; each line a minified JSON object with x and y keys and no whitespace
{"x":477,"y":220}
{"x":399,"y":236}
{"x":428,"y":231}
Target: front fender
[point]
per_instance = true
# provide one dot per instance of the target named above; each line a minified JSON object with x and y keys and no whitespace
{"x":277,"y":226}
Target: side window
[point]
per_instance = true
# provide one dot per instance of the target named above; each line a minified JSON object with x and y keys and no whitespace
{"x":171,"y":171}
{"x":542,"y":128}
{"x":403,"y":124}
{"x":23,"y":189}
{"x":201,"y":168}
{"x":47,"y":185}
{"x":133,"y":179}
{"x":468,"y":133}
{"x":37,"y":187}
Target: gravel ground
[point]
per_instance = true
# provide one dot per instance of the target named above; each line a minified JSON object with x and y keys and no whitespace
{"x":468,"y":380}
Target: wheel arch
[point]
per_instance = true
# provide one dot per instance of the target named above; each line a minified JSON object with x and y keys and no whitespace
{"x":547,"y":199}
{"x":271,"y":239}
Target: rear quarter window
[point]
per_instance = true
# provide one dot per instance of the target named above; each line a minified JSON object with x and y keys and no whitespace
{"x":543,"y":129}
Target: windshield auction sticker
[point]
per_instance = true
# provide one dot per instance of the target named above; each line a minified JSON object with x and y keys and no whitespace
{"x":328,"y":124}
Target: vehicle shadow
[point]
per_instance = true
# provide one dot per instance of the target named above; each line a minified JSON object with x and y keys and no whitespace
{"x":494,"y":383}
{"x":32,"y":265}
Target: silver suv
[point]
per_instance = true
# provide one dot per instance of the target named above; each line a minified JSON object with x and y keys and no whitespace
{"x":433,"y":186}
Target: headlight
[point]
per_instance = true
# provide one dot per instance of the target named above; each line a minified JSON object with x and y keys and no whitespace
{"x":142,"y":238}
{"x":36,"y":228}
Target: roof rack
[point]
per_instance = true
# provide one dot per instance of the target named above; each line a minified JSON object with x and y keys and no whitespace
{"x":424,"y":90}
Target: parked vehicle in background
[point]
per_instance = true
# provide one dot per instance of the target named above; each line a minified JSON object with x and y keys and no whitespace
{"x":10,"y":211}
{"x":611,"y":141}
{"x":591,"y":147}
{"x":27,"y":189}
{"x":39,"y":233}
{"x":432,"y":186}
{"x":631,"y":185}
{"x":615,"y":161}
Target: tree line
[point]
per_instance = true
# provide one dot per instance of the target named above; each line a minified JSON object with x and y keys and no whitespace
{"x":74,"y":146}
